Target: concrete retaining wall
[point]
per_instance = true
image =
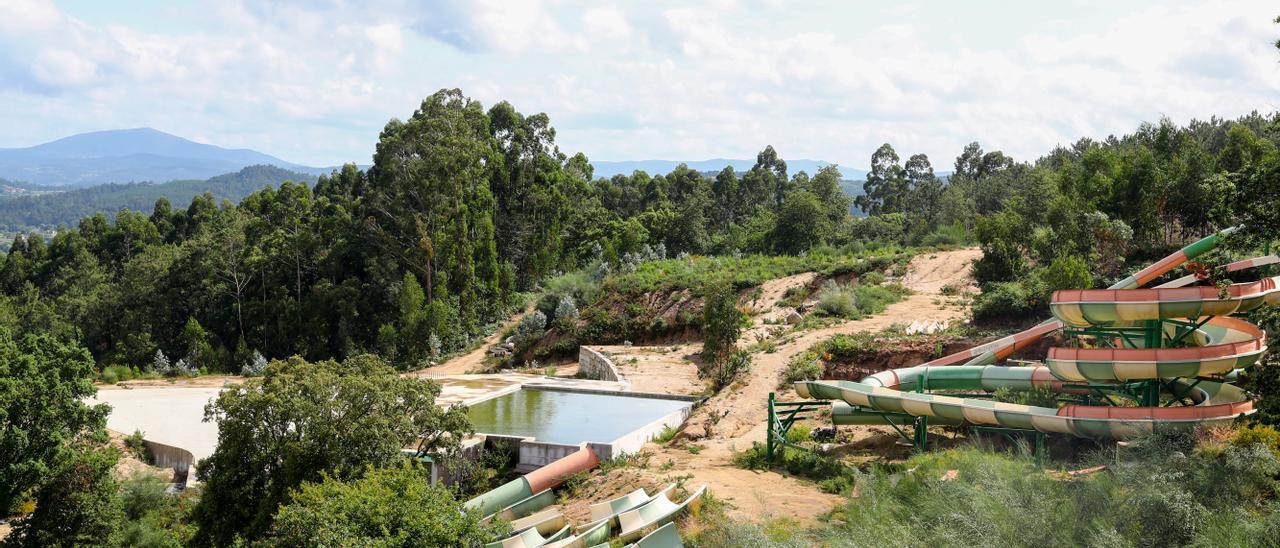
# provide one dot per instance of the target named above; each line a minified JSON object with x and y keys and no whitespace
{"x":631,"y":443}
{"x":536,"y":454}
{"x":168,"y":456}
{"x":594,"y":364}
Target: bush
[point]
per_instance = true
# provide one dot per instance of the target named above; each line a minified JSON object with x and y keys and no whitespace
{"x":723,"y":374}
{"x":1005,"y":301}
{"x":112,"y":374}
{"x":852,"y":302}
{"x":530,"y":329}
{"x":838,"y":301}
{"x":721,"y":325}
{"x":141,"y":495}
{"x":386,"y":507}
{"x":1038,"y":396}
{"x":871,"y":278}
{"x":805,"y":366}
{"x":134,"y":443}
{"x":1257,"y":434}
{"x":947,"y":235}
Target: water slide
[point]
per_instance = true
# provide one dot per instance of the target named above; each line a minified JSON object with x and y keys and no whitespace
{"x":1174,"y":348}
{"x":535,"y":482}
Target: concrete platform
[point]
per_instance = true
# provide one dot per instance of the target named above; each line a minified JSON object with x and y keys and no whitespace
{"x":174,"y":415}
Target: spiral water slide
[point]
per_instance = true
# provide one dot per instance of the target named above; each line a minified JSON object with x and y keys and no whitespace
{"x":1174,"y":349}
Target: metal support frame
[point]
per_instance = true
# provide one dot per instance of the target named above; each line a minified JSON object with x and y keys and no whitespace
{"x":1012,"y":434}
{"x":781,"y":421}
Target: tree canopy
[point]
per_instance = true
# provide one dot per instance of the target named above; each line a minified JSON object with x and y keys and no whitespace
{"x":301,"y":421}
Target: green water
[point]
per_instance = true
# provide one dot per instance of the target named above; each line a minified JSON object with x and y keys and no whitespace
{"x":567,"y":417}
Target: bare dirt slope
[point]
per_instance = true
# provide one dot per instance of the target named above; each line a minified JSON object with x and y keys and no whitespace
{"x":471,"y":361}
{"x":733,"y":419}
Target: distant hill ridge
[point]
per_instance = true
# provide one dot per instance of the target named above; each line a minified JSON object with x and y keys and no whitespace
{"x":67,"y":208}
{"x":129,"y":155}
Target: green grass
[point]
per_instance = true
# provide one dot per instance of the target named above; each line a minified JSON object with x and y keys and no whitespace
{"x":696,"y":273}
{"x":667,"y":434}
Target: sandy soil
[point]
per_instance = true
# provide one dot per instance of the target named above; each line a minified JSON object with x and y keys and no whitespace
{"x":733,"y":419}
{"x":472,"y":361}
{"x":659,"y":369}
{"x":207,"y":381}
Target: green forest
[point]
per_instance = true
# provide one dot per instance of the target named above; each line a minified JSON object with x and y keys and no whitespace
{"x":51,"y":207}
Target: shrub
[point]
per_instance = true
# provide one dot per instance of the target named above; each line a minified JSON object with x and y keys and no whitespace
{"x":1066,"y":272}
{"x":805,"y":366}
{"x":839,"y":301}
{"x":728,"y":370}
{"x":1005,"y":301}
{"x":134,"y":443}
{"x":1257,"y":434}
{"x":142,"y":494}
{"x":1038,"y":396}
{"x":256,"y":363}
{"x":160,"y":364}
{"x":531,"y":328}
{"x":115,"y":373}
{"x":871,"y":278}
{"x":566,"y":313}
{"x":947,"y":235}
{"x":667,"y":434}
{"x":852,"y":302}
{"x":386,"y":507}
{"x":721,"y":325}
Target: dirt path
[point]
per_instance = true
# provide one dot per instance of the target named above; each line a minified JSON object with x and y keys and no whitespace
{"x":733,"y":419}
{"x":471,"y":361}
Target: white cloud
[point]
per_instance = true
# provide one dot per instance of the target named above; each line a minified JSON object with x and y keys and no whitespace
{"x":314,"y":82}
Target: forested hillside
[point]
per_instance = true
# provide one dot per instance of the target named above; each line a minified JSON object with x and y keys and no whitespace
{"x":53,"y":209}
{"x":465,"y":207}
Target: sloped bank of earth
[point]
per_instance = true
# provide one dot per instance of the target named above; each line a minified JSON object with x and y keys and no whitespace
{"x":661,"y":303}
{"x":733,"y":419}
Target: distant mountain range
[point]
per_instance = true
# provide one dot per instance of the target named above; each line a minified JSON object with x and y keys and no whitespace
{"x":654,"y":167}
{"x":23,"y":209}
{"x":129,"y":155}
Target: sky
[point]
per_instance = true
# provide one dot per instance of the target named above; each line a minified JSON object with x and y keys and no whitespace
{"x":314,"y":82}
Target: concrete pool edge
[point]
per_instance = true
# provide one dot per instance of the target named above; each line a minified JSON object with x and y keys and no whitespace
{"x":532,"y":453}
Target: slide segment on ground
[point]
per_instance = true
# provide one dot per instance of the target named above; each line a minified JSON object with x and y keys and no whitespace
{"x":1222,"y":346}
{"x":536,"y":481}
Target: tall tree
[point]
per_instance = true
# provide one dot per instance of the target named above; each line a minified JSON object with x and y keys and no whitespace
{"x":43,"y":385}
{"x":428,"y":187}
{"x":301,"y":421}
{"x":885,"y":190}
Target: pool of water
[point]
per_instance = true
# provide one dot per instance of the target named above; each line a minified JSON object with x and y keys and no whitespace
{"x":567,"y":417}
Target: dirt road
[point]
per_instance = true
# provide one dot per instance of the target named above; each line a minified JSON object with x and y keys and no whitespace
{"x":735,"y":418}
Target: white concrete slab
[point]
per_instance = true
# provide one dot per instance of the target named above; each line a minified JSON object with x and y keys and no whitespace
{"x":172,"y":416}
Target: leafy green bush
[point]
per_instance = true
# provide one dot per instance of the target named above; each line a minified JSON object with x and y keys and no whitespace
{"x":112,"y":374}
{"x":134,"y":443}
{"x":839,"y":301}
{"x":1005,"y":301}
{"x":947,"y":235}
{"x":386,"y":507}
{"x":805,"y":366}
{"x":871,"y":278}
{"x":853,"y":302}
{"x":141,"y":495}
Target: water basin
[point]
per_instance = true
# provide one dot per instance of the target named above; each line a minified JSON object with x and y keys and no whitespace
{"x":558,"y":416}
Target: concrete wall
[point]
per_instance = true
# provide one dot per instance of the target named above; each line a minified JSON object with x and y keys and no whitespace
{"x":168,"y":456}
{"x":596,"y":365}
{"x":536,"y":454}
{"x":632,"y":442}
